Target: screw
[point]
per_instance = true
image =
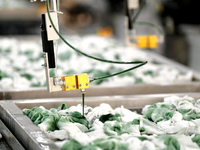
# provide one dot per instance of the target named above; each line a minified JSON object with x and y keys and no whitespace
{"x":80,"y":85}
{"x":67,"y":86}
{"x":86,"y":84}
{"x":50,"y":26}
{"x":74,"y":86}
{"x":44,"y":65}
{"x":43,"y":55}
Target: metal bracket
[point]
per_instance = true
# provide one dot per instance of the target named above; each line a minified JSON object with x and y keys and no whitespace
{"x":51,"y":33}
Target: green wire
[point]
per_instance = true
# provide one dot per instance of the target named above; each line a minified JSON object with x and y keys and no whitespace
{"x":92,"y":57}
{"x":103,"y":60}
{"x":145,"y":23}
{"x":83,"y":97}
{"x":151,"y":25}
{"x":139,"y":11}
{"x":100,"y":78}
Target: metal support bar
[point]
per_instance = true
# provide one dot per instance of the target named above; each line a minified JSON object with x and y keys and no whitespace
{"x":46,"y":64}
{"x":53,"y":6}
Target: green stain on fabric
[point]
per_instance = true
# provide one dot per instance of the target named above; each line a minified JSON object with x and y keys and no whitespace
{"x":170,"y":142}
{"x":196,"y":139}
{"x":109,"y":117}
{"x":62,"y":107}
{"x":71,"y":145}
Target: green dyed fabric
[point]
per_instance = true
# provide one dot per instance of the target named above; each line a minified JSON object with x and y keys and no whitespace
{"x":3,"y":75}
{"x":142,"y":129}
{"x":142,"y":138}
{"x":90,"y":147}
{"x":62,"y":107}
{"x":170,"y":142}
{"x":189,"y":114}
{"x":119,"y":128}
{"x":149,"y":111}
{"x":37,"y":114}
{"x":136,"y":121}
{"x":116,"y":129}
{"x":27,"y":76}
{"x":77,"y":117}
{"x":158,"y":114}
{"x":111,"y":144}
{"x":196,"y":139}
{"x":71,"y":145}
{"x":50,"y":123}
{"x":65,"y":56}
{"x":109,"y":117}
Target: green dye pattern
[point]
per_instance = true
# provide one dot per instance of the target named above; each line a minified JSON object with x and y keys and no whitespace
{"x":149,"y":72}
{"x":71,"y":145}
{"x":70,"y":72}
{"x":65,"y":56}
{"x":196,"y":139}
{"x":51,"y":123}
{"x":142,"y":129}
{"x":77,"y":117}
{"x":136,"y":121}
{"x":109,"y":117}
{"x":3,"y":75}
{"x":138,"y":80}
{"x":189,"y":114}
{"x":111,"y":144}
{"x":184,"y":111}
{"x":90,"y":147}
{"x":35,"y":84}
{"x":171,"y":143}
{"x":27,"y":76}
{"x":62,"y":107}
{"x":119,"y":128}
{"x":158,"y":114}
{"x":142,"y":138}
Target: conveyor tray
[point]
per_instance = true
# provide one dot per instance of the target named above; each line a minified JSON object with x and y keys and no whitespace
{"x":37,"y":93}
{"x":31,"y":137}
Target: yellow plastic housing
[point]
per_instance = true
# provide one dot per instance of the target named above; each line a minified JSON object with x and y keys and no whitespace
{"x":70,"y":83}
{"x":150,"y":41}
{"x":153,"y":41}
{"x":142,"y":42}
{"x":82,"y":81}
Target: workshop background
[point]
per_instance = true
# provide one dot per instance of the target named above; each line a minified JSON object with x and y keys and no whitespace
{"x":178,"y":20}
{"x":142,"y":93}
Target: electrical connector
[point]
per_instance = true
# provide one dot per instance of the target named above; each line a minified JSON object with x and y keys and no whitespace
{"x":70,"y":83}
{"x":82,"y":81}
{"x":74,"y":82}
{"x":150,"y":41}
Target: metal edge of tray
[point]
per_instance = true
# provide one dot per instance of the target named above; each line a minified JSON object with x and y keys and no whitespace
{"x":128,"y":101}
{"x":36,"y":93}
{"x":9,"y":138}
{"x":27,"y":133}
{"x":164,"y":60}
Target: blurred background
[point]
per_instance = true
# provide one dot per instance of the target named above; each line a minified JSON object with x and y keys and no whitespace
{"x":177,"y":20}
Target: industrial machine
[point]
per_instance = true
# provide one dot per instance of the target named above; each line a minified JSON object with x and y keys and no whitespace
{"x":50,"y":34}
{"x":29,"y":134}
